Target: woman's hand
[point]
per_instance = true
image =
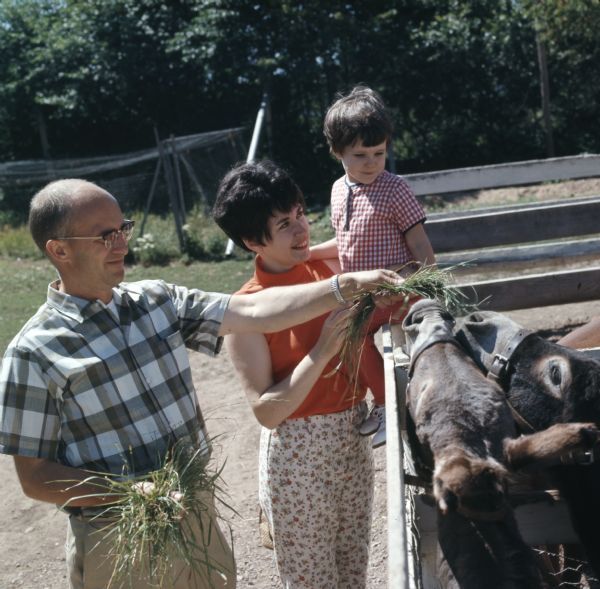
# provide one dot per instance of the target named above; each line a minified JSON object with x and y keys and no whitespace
{"x":332,"y":334}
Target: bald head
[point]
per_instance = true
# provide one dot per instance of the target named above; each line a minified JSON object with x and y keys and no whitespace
{"x":54,"y":207}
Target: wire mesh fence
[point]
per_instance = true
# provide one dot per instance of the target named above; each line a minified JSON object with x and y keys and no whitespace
{"x":202,"y":159}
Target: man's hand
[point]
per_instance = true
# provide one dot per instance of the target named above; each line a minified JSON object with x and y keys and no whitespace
{"x":148,"y":488}
{"x":353,"y":284}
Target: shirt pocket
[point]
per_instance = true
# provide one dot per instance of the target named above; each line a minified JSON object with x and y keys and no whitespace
{"x":176,"y":346}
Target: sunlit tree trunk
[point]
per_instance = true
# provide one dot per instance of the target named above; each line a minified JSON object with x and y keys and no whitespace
{"x":545,"y":93}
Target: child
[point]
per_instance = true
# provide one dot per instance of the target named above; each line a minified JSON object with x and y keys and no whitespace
{"x":378,"y":222}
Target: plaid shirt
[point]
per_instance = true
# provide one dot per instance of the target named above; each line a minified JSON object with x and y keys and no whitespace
{"x":81,"y":388}
{"x":370,"y":221}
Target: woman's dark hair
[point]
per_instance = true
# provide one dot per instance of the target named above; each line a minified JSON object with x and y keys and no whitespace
{"x":249,"y":195}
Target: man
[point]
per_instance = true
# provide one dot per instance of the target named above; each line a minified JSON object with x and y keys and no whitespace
{"x":99,"y":379}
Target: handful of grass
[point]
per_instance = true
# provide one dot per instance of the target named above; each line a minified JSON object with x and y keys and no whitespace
{"x":151,"y":525}
{"x":426,"y":282}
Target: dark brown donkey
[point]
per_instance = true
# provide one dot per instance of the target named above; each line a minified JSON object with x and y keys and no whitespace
{"x":468,"y":435}
{"x":545,"y":384}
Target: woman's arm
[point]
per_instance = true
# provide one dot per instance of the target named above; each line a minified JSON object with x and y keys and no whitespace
{"x":273,"y":402}
{"x":280,"y":307}
{"x":419,"y":245}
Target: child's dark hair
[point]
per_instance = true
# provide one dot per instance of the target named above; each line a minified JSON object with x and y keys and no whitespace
{"x":358,"y":115}
{"x":249,"y":195}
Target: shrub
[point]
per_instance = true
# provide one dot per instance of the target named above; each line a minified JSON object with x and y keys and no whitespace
{"x":16,"y":242}
{"x":203,"y":239}
{"x":320,"y":225}
{"x":148,"y":251}
{"x":11,"y":218}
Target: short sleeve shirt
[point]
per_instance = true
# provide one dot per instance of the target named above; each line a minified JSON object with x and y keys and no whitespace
{"x":370,"y":221}
{"x":79,"y":387}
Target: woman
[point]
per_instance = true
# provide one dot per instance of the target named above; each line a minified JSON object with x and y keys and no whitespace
{"x":316,"y":471}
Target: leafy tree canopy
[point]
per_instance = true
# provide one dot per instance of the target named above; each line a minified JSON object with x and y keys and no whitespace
{"x":87,"y":77}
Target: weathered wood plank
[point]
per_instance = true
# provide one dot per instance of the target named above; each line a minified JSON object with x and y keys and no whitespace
{"x":516,"y":206}
{"x":481,"y":228}
{"x":561,"y":250}
{"x":398,"y":569}
{"x":512,"y":174}
{"x":536,"y":290}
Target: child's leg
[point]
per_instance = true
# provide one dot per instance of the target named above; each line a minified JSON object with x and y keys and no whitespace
{"x":370,"y":370}
{"x":371,"y":374}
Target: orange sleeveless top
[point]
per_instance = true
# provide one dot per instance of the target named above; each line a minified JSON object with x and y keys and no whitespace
{"x":330,"y":394}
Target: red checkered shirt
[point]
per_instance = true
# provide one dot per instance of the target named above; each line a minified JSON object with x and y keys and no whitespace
{"x":370,"y":221}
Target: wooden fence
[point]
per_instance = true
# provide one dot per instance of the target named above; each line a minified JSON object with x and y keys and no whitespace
{"x":562,"y":231}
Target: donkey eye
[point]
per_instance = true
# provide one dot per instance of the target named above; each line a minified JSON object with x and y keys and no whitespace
{"x":555,"y":374}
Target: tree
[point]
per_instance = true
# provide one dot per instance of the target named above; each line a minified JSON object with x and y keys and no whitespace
{"x":460,"y":76}
{"x":568,"y":31}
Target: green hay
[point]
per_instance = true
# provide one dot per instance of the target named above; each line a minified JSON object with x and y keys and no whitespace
{"x":426,"y":282}
{"x":147,"y":530}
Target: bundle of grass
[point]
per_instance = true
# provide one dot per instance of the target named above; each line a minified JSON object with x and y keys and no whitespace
{"x":160,"y":518}
{"x":426,"y":282}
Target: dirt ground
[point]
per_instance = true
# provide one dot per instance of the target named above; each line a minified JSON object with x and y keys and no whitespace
{"x":32,"y":534}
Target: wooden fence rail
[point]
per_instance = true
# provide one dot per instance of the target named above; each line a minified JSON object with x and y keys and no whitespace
{"x":511,"y":174}
{"x":516,"y":224}
{"x":520,"y":232}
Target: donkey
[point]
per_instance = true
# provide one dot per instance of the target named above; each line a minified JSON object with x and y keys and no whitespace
{"x":469,"y":439}
{"x":545,"y":384}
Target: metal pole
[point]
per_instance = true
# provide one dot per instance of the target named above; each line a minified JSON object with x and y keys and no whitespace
{"x":175,"y":154}
{"x":260,"y":117}
{"x":151,"y":195}
{"x":172,"y":191}
{"x":398,"y":569}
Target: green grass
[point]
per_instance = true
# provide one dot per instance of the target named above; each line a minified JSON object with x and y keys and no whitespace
{"x":16,"y":242}
{"x":23,"y":285}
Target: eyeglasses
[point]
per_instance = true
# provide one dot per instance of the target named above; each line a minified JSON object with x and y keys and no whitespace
{"x":110,"y":237}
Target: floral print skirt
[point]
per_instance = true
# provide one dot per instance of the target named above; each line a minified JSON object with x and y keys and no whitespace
{"x":316,"y":489}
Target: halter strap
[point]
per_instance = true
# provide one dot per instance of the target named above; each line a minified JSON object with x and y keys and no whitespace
{"x":523,"y":424}
{"x":502,"y":358}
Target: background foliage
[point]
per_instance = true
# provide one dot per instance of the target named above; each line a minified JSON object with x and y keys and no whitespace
{"x":89,"y":77}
